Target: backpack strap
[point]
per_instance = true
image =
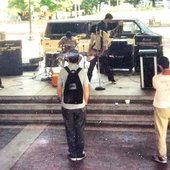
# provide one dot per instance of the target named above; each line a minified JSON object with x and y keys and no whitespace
{"x":78,"y":70}
{"x":67,"y":69}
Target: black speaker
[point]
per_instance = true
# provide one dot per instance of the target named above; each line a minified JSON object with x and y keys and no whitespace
{"x":10,"y":58}
{"x":120,"y":54}
{"x":148,"y":68}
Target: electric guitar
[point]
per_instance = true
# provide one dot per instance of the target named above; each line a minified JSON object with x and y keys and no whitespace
{"x":92,"y":53}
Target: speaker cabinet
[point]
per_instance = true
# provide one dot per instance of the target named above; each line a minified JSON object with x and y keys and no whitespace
{"x":148,"y":68}
{"x":10,"y":58}
{"x":120,"y":54}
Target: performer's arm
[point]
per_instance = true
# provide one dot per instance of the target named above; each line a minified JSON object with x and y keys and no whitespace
{"x":59,"y":91}
{"x":60,"y":43}
{"x":92,"y":41}
{"x":86,"y":93}
{"x":117,"y":29}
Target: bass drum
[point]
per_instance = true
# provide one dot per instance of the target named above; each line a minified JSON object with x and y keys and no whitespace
{"x":51,"y":59}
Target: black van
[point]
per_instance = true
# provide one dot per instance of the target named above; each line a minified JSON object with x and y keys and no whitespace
{"x":132,"y":36}
{"x":57,"y":29}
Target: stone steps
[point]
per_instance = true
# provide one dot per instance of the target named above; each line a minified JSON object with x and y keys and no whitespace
{"x":91,"y":108}
{"x":93,"y":99}
{"x":102,"y":111}
{"x":92,"y":119}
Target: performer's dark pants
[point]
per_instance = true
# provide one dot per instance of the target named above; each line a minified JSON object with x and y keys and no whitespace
{"x":74,"y":124}
{"x":91,"y":67}
{"x":0,"y":81}
{"x":105,"y":67}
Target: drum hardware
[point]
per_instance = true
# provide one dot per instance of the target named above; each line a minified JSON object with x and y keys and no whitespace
{"x":83,"y":53}
{"x":99,"y":88}
{"x":80,"y":36}
{"x":51,"y":60}
{"x":47,"y":74}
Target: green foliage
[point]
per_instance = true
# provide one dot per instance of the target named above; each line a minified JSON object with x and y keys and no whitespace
{"x":51,"y":5}
{"x":20,"y":5}
{"x":89,"y":5}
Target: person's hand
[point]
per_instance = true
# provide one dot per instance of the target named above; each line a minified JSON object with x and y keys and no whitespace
{"x":91,"y":52}
{"x":120,"y":23}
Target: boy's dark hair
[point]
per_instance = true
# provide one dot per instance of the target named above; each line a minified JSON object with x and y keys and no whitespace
{"x":68,"y":34}
{"x":164,"y":62}
{"x":73,"y":56}
{"x":108,"y":16}
{"x":74,"y":60}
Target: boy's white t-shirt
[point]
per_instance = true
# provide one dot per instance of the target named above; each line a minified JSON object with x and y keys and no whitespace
{"x":162,"y":95}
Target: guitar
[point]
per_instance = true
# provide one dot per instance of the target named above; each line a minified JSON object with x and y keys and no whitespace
{"x":96,"y":53}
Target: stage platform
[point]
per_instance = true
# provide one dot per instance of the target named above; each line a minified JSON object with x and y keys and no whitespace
{"x":38,"y":84}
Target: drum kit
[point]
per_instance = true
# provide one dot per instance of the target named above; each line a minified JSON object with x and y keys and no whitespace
{"x":55,"y":60}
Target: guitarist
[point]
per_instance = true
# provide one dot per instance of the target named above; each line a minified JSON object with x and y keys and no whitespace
{"x":99,"y":43}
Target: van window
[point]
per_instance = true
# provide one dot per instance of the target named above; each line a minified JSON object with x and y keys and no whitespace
{"x":130,"y":27}
{"x":62,"y":28}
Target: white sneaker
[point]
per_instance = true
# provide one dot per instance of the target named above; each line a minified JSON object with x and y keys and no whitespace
{"x":159,"y":159}
{"x":81,"y":157}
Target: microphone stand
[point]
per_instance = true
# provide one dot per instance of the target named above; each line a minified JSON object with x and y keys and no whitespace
{"x":99,"y":88}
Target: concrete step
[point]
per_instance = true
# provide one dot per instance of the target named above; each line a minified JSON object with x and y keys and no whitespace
{"x":93,"y":99}
{"x":103,"y":108}
{"x":102,"y":111}
{"x":92,"y":119}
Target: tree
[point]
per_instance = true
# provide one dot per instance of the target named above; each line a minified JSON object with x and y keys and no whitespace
{"x":51,"y":4}
{"x":90,"y":5}
{"x":23,"y":5}
{"x":20,"y":5}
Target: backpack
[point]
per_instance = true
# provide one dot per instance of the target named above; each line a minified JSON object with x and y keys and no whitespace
{"x":73,"y":90}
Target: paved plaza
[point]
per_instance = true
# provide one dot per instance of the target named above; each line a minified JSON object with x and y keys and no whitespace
{"x":44,"y":148}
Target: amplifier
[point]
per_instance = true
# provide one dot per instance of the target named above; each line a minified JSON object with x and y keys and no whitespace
{"x":148,"y":67}
{"x":10,"y":58}
{"x":10,"y":45}
{"x":143,"y":40}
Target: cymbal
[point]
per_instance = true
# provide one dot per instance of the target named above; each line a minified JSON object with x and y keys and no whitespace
{"x":79,"y":36}
{"x":83,"y":43}
{"x":52,"y":52}
{"x":68,"y":44}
